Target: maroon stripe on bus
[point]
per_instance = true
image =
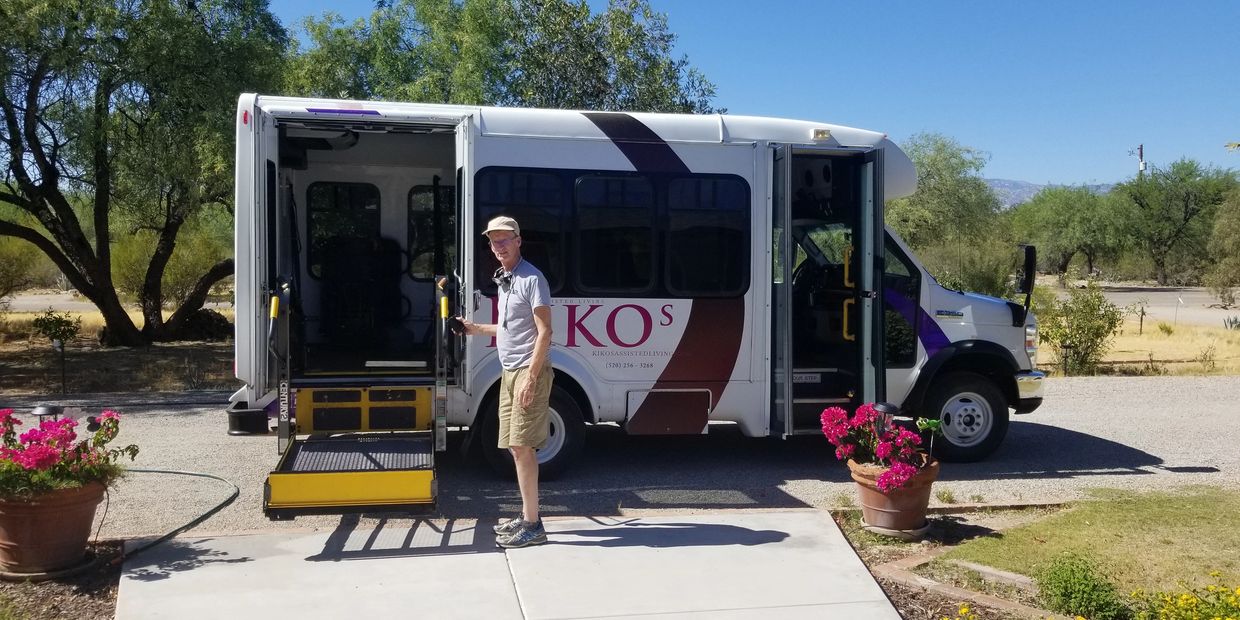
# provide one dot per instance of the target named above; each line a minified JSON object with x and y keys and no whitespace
{"x":703,"y":360}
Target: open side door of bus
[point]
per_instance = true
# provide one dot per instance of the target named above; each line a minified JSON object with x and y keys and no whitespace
{"x":869,"y":255}
{"x":783,"y":258}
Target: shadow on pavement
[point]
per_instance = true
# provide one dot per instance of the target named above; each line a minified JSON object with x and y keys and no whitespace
{"x":176,"y":556}
{"x":395,"y":537}
{"x":637,"y":534}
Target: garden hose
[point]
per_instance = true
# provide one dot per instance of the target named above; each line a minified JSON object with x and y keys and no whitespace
{"x":197,"y":520}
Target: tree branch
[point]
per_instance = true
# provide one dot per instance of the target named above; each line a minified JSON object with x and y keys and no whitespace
{"x":103,"y":176}
{"x":9,"y":229}
{"x":49,"y":172}
{"x":197,"y":296}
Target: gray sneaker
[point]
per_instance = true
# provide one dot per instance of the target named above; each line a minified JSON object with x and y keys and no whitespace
{"x":529,"y":534}
{"x":509,"y":527}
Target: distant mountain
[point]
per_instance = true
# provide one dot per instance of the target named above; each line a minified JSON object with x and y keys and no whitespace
{"x":1012,"y":193}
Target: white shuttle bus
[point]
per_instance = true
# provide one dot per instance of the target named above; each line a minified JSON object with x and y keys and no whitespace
{"x":703,"y":269}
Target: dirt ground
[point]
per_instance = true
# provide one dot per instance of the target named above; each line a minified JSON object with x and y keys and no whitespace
{"x":31,"y":367}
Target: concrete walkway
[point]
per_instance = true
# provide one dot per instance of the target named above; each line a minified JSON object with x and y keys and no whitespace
{"x":735,"y":565}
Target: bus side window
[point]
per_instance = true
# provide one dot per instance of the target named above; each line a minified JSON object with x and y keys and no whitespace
{"x":901,"y":299}
{"x":707,"y":237}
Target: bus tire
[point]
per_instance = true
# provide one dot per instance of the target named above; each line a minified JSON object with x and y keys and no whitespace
{"x":563,"y":446}
{"x":974,"y":414}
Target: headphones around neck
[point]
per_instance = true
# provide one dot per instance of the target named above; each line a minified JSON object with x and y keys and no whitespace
{"x":502,"y":278}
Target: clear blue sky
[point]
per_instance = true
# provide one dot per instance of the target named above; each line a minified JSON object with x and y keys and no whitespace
{"x":1054,"y":91}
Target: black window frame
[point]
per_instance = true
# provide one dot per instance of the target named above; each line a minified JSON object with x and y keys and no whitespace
{"x":743,"y":246}
{"x":448,"y":201}
{"x":310,"y":210}
{"x":484,"y":209}
{"x":582,"y":248}
{"x":565,"y":208}
{"x":894,"y":254}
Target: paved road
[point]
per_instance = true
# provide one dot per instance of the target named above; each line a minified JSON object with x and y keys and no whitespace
{"x":63,"y":302}
{"x":1175,"y":305}
{"x":1186,"y":305}
{"x":1118,"y":432}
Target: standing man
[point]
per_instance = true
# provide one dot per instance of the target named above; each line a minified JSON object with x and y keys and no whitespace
{"x":523,"y":338}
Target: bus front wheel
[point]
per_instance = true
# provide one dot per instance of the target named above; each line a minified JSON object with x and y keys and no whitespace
{"x":974,"y":414}
{"x":563,"y":446}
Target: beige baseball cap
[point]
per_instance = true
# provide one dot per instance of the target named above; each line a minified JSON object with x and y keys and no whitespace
{"x":503,"y":222}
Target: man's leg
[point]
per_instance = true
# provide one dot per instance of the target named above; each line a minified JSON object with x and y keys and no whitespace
{"x":527,"y":480}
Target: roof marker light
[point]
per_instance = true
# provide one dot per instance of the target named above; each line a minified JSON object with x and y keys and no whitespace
{"x":245,"y":117}
{"x":822,"y":134}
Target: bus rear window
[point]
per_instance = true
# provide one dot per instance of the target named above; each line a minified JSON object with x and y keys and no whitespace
{"x":339,"y":216}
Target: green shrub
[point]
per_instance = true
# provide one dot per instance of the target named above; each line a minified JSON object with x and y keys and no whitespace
{"x":1217,"y":600}
{"x":984,"y":267}
{"x":1165,"y":328}
{"x":1080,"y":328}
{"x":196,"y":251}
{"x":17,"y":259}
{"x":1075,"y":585}
{"x":1232,"y":322}
{"x":57,"y":327}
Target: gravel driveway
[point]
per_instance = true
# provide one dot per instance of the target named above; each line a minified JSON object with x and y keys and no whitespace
{"x":1117,"y":432}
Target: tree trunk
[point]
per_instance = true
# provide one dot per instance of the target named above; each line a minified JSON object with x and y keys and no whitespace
{"x":193,"y":303}
{"x":1062,"y":265}
{"x":152,"y":286}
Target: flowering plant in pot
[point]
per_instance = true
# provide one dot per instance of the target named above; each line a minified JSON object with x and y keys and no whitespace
{"x":892,"y":471}
{"x":50,"y":484}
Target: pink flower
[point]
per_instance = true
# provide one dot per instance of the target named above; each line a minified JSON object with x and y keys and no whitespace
{"x":909,"y":437}
{"x":38,"y":457}
{"x":883,"y":449}
{"x":872,"y":438}
{"x":108,"y":414}
{"x":6,"y":418}
{"x":896,"y":476}
{"x":865,"y":415}
{"x":51,"y":432}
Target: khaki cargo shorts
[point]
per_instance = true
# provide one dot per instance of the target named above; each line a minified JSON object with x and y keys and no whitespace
{"x":528,"y":426}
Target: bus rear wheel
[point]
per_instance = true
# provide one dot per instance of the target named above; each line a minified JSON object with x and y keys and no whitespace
{"x":974,"y":414}
{"x":563,"y":447}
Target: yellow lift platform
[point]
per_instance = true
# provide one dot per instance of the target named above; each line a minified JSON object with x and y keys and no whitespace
{"x":357,"y":447}
{"x":365,"y":448}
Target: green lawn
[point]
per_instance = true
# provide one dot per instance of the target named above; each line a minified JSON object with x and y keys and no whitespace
{"x":1154,"y":540}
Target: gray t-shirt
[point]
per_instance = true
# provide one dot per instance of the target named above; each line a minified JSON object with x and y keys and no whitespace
{"x":517,"y":332}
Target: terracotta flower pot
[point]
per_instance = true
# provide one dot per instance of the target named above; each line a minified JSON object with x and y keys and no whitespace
{"x":48,"y":532}
{"x":898,"y":509}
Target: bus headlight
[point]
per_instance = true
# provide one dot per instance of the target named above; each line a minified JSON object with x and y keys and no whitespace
{"x":1031,"y":345}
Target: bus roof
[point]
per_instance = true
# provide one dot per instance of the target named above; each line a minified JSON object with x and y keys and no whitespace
{"x":672,"y":128}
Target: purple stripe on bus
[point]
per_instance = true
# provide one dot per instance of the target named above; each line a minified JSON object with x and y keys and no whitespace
{"x":928,"y":331}
{"x":342,"y":111}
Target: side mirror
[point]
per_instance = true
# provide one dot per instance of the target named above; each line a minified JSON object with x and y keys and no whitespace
{"x":1030,"y":271}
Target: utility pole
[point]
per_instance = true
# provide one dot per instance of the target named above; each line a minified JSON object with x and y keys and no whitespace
{"x":1140,"y":153}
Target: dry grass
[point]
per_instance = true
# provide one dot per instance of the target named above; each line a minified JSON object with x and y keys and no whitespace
{"x":28,"y":365}
{"x":1153,"y":540}
{"x":1186,"y":350}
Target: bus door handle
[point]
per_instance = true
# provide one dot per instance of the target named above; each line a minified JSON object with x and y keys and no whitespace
{"x":868,"y":294}
{"x":844,"y":328}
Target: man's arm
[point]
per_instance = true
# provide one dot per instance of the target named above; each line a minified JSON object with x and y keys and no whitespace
{"x":542,"y":322}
